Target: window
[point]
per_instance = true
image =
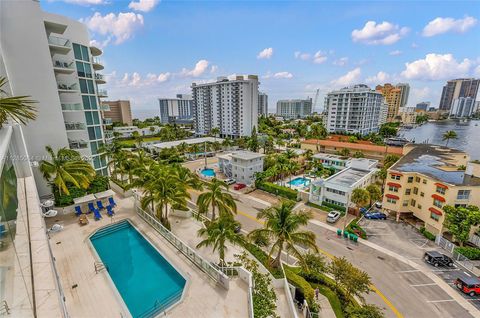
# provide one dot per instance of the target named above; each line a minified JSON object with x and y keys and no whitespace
{"x":417,"y":179}
{"x":422,"y":194}
{"x":463,"y":194}
{"x":393,"y":189}
{"x":410,"y":179}
{"x":437,"y":203}
{"x":434,"y":216}
{"x":394,"y":177}
{"x":419,"y":206}
{"x":413,"y":202}
{"x":84,"y":53}
{"x":407,"y":191}
{"x":424,"y":181}
{"x":440,"y":190}
{"x":86,"y":102}
{"x":77,"y":51}
{"x":415,"y":190}
{"x":405,"y":203}
{"x":393,"y":201}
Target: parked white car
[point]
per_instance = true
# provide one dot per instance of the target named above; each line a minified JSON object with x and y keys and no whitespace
{"x":229,"y":181}
{"x":333,"y":216}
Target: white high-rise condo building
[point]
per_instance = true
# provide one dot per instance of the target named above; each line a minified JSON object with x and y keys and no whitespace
{"x":49,"y":57}
{"x":404,"y":93}
{"x":230,"y":105}
{"x":262,"y":104}
{"x":463,"y":107}
{"x":355,"y":109}
{"x":294,"y":108}
{"x":176,"y":110}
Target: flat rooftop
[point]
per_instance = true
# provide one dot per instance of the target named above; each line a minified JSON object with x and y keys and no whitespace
{"x":347,"y":177}
{"x":191,"y":141}
{"x":322,"y":155}
{"x":438,"y":162}
{"x":246,"y":155}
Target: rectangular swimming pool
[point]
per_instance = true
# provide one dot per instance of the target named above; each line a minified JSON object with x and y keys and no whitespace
{"x":300,"y":182}
{"x":146,"y":281}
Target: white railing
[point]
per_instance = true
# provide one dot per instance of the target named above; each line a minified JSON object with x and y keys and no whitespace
{"x":55,"y":40}
{"x":72,"y":107}
{"x":247,"y":277}
{"x":186,"y":250}
{"x":291,"y":303}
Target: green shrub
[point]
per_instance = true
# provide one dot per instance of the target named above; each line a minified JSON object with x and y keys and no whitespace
{"x":472,"y":253}
{"x":260,"y":255}
{"x":304,"y":286}
{"x":427,"y":234}
{"x":278,"y":190}
{"x":353,"y":227}
{"x":333,"y":206}
{"x":98,"y":184}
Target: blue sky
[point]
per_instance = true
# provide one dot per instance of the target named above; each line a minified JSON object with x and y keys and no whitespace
{"x":158,"y":48}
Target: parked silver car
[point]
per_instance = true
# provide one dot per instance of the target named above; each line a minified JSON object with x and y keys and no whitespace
{"x":333,"y":216}
{"x":230,"y":181}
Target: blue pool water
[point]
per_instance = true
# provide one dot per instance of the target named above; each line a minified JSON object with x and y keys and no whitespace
{"x":208,"y":172}
{"x":300,"y":182}
{"x":146,"y":281}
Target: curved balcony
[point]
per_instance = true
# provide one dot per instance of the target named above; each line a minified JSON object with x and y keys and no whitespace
{"x":100,"y":79}
{"x":105,"y":107}
{"x":67,"y":88}
{"x":97,"y":64}
{"x":102,"y":93}
{"x":95,"y":51}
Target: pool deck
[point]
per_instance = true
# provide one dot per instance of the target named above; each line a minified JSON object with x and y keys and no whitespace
{"x":94,"y":294}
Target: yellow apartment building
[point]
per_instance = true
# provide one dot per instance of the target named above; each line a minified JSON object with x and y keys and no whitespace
{"x":393,"y":98}
{"x":427,"y":178}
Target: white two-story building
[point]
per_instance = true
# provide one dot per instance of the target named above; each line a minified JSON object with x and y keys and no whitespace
{"x":241,"y":165}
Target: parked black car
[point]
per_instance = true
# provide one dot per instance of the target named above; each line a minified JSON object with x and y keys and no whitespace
{"x":437,"y":259}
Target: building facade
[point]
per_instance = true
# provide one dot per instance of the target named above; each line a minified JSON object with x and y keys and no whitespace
{"x":407,"y":115}
{"x":128,"y":131}
{"x":241,"y":165}
{"x":262,"y":104}
{"x":355,"y":109}
{"x":423,"y":106}
{"x":404,"y":93}
{"x":117,"y":111}
{"x":176,"y":110}
{"x":463,"y":107}
{"x":294,"y":108}
{"x":63,"y":78}
{"x":454,"y":89}
{"x":426,"y":179}
{"x":396,"y":96}
{"x":229,"y":105}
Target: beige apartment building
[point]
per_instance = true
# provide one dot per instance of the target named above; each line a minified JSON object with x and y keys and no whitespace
{"x":396,"y":96}
{"x":427,"y":178}
{"x":117,"y":111}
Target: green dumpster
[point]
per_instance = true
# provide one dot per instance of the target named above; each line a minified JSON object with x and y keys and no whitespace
{"x":339,"y":232}
{"x":355,"y":238}
{"x":345,"y":234}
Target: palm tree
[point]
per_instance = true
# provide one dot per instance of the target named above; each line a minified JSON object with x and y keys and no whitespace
{"x":110,"y":151}
{"x":449,"y":135}
{"x":374,"y":193}
{"x":219,"y":232}
{"x":290,"y":154}
{"x":214,"y":132}
{"x":67,"y":167}
{"x":360,"y":197}
{"x":19,"y":108}
{"x":216,"y":198}
{"x":188,"y":178}
{"x":182,"y":148}
{"x":283,"y":226}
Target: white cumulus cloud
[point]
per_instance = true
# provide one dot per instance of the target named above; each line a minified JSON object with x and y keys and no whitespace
{"x":395,"y":53}
{"x":350,"y":78}
{"x":143,"y":5}
{"x":444,"y":25}
{"x":200,"y":68}
{"x":436,"y":67}
{"x":86,"y":2}
{"x":121,"y":26}
{"x":477,"y":71}
{"x":319,"y":57}
{"x":379,"y":78}
{"x":384,"y":33}
{"x":265,"y":53}
{"x":341,"y":61}
{"x":302,"y":56}
{"x":279,"y":75}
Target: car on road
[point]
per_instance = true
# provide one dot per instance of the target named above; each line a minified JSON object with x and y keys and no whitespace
{"x":437,"y":259}
{"x":239,"y":186}
{"x":468,"y":285}
{"x":375,"y":215}
{"x":229,"y":181}
{"x":333,"y":216}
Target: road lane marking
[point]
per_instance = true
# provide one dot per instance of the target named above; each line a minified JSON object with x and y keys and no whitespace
{"x":440,"y":301}
{"x":409,"y":271}
{"x":467,"y":274}
{"x":421,"y":285}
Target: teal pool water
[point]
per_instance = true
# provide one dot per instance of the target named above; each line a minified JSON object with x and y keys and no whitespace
{"x":208,"y":172}
{"x":146,"y":281}
{"x":300,"y":182}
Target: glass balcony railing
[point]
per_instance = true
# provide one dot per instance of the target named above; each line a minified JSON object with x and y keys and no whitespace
{"x":67,"y":87}
{"x":72,"y":107}
{"x":63,"y":65}
{"x":107,"y":121}
{"x":99,"y":77}
{"x":102,"y":93}
{"x":77,"y":144}
{"x":75,"y":126}
{"x":108,"y":134}
{"x":96,"y":60}
{"x":105,"y":107}
{"x":57,"y":41}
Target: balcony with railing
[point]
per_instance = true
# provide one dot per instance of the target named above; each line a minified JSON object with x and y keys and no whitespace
{"x":67,"y":88}
{"x":77,"y":144}
{"x":59,"y":45}
{"x":105,"y":107}
{"x":108,"y":134}
{"x":72,"y":126}
{"x":102,"y":93}
{"x":72,"y":107}
{"x":107,"y":121}
{"x":100,"y":79}
{"x":97,"y":64}
{"x":63,"y":67}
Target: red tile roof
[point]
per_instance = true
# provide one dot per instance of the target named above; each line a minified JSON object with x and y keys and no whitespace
{"x":354,"y":146}
{"x":439,"y":198}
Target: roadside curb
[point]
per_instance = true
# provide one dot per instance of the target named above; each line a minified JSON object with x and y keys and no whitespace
{"x":443,"y":285}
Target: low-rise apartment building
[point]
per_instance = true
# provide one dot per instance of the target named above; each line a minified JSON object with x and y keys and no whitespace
{"x":427,"y":178}
{"x":127,"y":131}
{"x":241,"y":165}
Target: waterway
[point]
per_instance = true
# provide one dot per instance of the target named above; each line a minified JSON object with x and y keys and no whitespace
{"x":468,"y":135}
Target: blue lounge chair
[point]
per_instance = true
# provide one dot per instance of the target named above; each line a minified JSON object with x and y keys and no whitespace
{"x":91,"y":207}
{"x":97,"y":215}
{"x":110,"y":211}
{"x":112,"y":202}
{"x":100,"y":205}
{"x":78,"y":210}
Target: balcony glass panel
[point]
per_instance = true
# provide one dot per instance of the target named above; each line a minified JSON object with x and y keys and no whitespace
{"x":55,"y":40}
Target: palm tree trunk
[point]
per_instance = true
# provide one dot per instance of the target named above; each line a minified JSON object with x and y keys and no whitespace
{"x":213,"y":211}
{"x":276,"y":261}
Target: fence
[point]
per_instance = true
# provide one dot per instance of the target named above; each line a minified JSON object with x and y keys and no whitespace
{"x":188,"y":252}
{"x":247,"y":277}
{"x":475,"y":239}
{"x":450,"y":247}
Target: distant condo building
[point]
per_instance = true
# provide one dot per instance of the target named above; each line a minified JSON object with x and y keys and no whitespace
{"x":395,"y":97}
{"x":457,"y":88}
{"x":49,"y":57}
{"x":176,"y":110}
{"x":230,"y":105}
{"x":294,"y":108}
{"x":262,"y":104}
{"x":118,"y":111}
{"x":423,"y":106}
{"x":355,"y":109}
{"x":463,"y":107}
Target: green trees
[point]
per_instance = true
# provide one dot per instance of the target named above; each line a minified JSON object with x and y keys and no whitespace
{"x":388,"y":161}
{"x":252,"y":143}
{"x":215,"y":131}
{"x":218,"y":232}
{"x":282,"y":226}
{"x":375,"y":193}
{"x":217,"y":199}
{"x":354,"y":281}
{"x":459,"y":221}
{"x":449,"y":135}
{"x":66,"y":167}
{"x":360,"y":197}
{"x":421,"y":118}
{"x":19,"y":108}
{"x":365,"y":311}
{"x":388,"y":130}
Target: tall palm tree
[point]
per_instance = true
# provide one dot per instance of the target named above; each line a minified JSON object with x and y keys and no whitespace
{"x":217,"y":198}
{"x":19,"y":108}
{"x":188,"y":178}
{"x":360,"y":197}
{"x":449,"y":135}
{"x":283,"y":226}
{"x":67,"y":167}
{"x":374,"y":192}
{"x":214,"y":132}
{"x":217,"y":233}
{"x":109,"y":151}
{"x":290,"y":154}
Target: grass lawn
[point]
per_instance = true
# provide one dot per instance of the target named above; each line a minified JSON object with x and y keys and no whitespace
{"x":131,"y":142}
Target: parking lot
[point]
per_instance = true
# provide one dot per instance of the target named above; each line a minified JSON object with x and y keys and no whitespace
{"x":407,"y":241}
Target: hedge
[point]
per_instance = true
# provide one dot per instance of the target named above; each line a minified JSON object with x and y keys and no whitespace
{"x":471,"y":253}
{"x":333,"y":206}
{"x":304,"y":286}
{"x":278,"y":190}
{"x":353,"y":227}
{"x":263,"y":258}
{"x":427,"y":234}
{"x":98,"y":184}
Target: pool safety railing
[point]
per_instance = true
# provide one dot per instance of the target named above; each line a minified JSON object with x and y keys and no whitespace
{"x":204,"y":265}
{"x":99,"y":266}
{"x":159,"y":307}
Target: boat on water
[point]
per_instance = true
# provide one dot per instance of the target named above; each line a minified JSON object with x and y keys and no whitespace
{"x":397,"y":141}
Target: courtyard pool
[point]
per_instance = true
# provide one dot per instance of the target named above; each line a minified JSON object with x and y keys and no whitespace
{"x":209,"y":173}
{"x":300,"y":182}
{"x":146,"y":281}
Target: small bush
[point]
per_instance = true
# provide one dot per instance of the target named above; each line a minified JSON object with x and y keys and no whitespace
{"x":333,"y":206}
{"x":278,"y":190}
{"x":353,"y":227}
{"x":304,"y":286}
{"x":98,"y":184}
{"x":427,"y":234}
{"x":471,"y":253}
{"x":263,"y":258}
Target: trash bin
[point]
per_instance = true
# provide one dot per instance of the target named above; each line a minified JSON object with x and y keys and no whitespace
{"x":345,"y":234}
{"x":355,"y":238}
{"x":339,"y":232}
